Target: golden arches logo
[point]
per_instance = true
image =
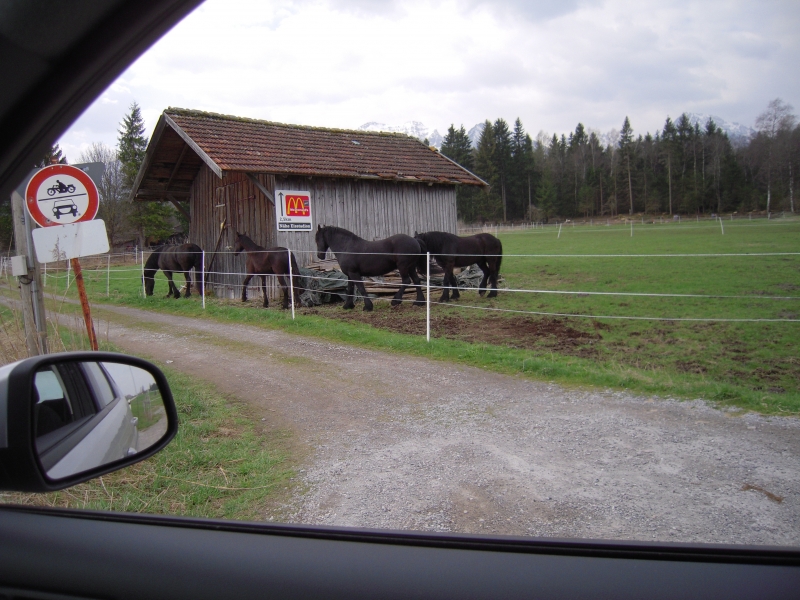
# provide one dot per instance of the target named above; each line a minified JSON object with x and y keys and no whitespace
{"x":298,"y":206}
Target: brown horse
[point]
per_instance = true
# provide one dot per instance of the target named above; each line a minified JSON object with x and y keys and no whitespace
{"x":268,"y":261}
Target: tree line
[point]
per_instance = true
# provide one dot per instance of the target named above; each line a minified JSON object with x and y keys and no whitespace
{"x":684,"y":168}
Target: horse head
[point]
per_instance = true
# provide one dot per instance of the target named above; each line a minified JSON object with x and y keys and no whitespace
{"x":149,"y":284}
{"x":322,"y":242}
{"x":238,"y":246}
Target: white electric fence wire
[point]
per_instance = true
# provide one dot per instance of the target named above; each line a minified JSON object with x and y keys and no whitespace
{"x":618,"y":317}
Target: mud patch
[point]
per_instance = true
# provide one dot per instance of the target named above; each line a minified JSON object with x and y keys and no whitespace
{"x":523,"y":333}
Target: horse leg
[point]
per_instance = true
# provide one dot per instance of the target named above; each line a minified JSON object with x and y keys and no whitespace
{"x":285,"y":289}
{"x":349,"y":301}
{"x":173,"y":291}
{"x":188,"y":276}
{"x":485,"y":268}
{"x":420,"y":301}
{"x":244,"y":287}
{"x":448,"y":276}
{"x":494,"y":272}
{"x":363,"y":290}
{"x":455,"y":295}
{"x":406,"y":280}
{"x":264,"y":290}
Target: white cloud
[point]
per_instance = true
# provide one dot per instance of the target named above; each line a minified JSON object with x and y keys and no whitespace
{"x":341,"y":63}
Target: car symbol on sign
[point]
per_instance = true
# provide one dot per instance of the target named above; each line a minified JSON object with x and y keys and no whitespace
{"x":63,"y":207}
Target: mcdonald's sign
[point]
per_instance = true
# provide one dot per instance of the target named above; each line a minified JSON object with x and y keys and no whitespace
{"x":293,"y":210}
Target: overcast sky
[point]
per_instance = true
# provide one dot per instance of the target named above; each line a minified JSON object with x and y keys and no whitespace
{"x":342,"y":63}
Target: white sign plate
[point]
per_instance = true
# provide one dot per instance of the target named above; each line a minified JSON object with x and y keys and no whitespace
{"x":63,"y":242}
{"x":293,"y":210}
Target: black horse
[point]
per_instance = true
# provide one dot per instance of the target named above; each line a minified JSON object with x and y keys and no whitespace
{"x":268,"y":261}
{"x":453,"y":251}
{"x":359,"y":258}
{"x":180,"y":258}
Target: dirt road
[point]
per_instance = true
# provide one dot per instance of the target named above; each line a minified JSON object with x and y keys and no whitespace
{"x":406,"y":443}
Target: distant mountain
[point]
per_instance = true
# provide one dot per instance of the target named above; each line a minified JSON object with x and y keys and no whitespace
{"x":737,"y":133}
{"x":412,"y":128}
{"x":474,"y":134}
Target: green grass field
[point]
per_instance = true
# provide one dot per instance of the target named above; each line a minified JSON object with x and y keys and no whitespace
{"x":751,"y":365}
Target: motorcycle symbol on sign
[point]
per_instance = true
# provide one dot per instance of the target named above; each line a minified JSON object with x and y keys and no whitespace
{"x":60,"y":188}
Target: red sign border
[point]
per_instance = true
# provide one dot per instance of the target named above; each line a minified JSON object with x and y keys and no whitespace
{"x":38,"y":178}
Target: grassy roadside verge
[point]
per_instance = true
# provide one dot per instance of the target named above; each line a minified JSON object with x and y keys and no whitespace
{"x":221,"y":464}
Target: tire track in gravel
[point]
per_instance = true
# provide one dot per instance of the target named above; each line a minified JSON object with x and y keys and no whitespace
{"x":398,"y":442}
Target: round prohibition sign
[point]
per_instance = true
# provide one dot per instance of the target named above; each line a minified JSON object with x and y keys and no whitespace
{"x":61,"y":194}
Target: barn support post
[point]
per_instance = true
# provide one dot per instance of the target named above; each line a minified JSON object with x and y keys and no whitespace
{"x":203,"y":280}
{"x":428,"y":296}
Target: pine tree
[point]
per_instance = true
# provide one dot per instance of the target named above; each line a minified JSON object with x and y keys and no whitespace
{"x":457,"y":147}
{"x":131,"y":144}
{"x":151,"y":219}
{"x":502,"y":160}
{"x":626,"y":146}
{"x":487,"y":202}
{"x":523,"y":173}
{"x":52,"y":156}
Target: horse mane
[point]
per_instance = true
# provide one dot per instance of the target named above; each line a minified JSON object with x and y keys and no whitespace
{"x":152,"y":260}
{"x":246,"y":238}
{"x":341,"y":230}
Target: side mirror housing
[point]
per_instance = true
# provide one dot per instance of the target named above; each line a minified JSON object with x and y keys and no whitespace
{"x":69,"y":417}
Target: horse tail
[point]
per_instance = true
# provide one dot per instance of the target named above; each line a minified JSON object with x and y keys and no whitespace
{"x":298,"y":279}
{"x":499,"y":255}
{"x":422,"y":266}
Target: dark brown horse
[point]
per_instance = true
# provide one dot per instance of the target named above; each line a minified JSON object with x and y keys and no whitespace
{"x":359,"y":258}
{"x":453,"y":251}
{"x":181,"y":258}
{"x":268,"y":261}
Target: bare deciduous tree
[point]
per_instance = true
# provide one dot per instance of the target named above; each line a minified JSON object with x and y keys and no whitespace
{"x":778,"y":118}
{"x":114,"y":206}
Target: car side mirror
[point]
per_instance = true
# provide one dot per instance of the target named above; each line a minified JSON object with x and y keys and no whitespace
{"x":67,"y":418}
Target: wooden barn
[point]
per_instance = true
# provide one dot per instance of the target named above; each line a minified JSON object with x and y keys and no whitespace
{"x":227,"y":169}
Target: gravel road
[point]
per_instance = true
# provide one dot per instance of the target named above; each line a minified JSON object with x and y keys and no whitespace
{"x":395,"y":442}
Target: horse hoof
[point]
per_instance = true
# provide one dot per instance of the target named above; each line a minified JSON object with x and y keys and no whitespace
{"x":395,"y":303}
{"x":350,"y":307}
{"x":482,"y":294}
{"x":444,"y":299}
{"x":367,"y":308}
{"x":492,"y":294}
{"x":419,"y":303}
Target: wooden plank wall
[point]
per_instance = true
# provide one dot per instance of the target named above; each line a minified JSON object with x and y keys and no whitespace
{"x":371,"y":209}
{"x":235,"y":200}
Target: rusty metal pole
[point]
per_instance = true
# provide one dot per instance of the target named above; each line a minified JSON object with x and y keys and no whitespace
{"x":87,"y":315}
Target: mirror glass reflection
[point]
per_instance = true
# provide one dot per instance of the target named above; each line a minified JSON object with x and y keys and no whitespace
{"x":87,"y":414}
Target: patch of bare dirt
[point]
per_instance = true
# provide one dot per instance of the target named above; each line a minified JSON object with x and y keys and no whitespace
{"x":512,"y":332}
